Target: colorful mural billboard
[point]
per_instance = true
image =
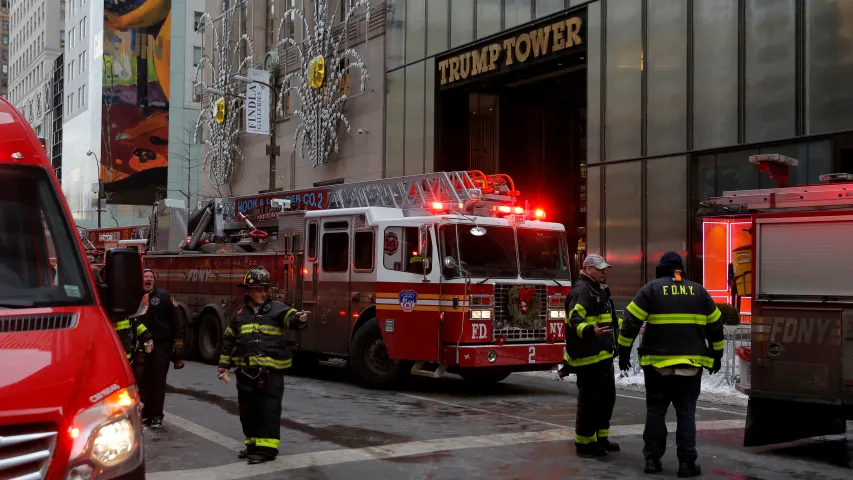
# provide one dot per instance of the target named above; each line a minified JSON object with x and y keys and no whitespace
{"x":135,"y":100}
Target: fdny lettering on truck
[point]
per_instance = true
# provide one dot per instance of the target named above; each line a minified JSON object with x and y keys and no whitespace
{"x":199,"y":275}
{"x":556,"y":329}
{"x":479,"y":331}
{"x":802,"y":330}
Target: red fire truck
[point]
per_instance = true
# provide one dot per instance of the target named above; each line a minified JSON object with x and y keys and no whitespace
{"x":99,"y":240}
{"x":429,"y":273}
{"x":801,"y":382}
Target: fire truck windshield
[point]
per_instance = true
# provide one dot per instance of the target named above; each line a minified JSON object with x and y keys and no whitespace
{"x":542,"y":254}
{"x":32,"y":230}
{"x":491,"y":255}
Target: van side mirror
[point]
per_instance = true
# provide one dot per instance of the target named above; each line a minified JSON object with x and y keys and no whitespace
{"x":123,"y":276}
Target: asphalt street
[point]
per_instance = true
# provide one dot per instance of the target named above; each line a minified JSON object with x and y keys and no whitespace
{"x":521,"y":428}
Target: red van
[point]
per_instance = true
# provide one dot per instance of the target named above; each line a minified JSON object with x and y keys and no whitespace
{"x":68,"y":404}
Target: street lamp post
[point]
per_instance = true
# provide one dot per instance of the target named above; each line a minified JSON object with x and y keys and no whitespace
{"x":272,"y":149}
{"x":100,"y":184}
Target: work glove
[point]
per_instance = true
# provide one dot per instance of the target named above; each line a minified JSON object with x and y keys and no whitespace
{"x":178,"y":349}
{"x":624,"y":358}
{"x":718,"y":364}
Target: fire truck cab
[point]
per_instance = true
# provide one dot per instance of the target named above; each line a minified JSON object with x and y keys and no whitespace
{"x":428,"y":274}
{"x":801,"y":382}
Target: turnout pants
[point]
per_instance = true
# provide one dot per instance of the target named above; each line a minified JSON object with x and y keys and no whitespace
{"x":259,"y":395}
{"x":153,"y":386}
{"x":682,"y":392}
{"x":596,"y":397}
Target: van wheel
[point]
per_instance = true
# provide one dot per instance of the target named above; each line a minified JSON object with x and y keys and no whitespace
{"x":210,"y":337}
{"x":369,"y":358}
{"x":482,"y":378}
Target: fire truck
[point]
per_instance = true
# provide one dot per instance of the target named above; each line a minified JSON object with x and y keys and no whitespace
{"x":801,"y":381}
{"x":98,"y":240}
{"x":428,"y":274}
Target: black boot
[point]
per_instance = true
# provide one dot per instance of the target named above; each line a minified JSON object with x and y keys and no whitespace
{"x":590,"y":450}
{"x":688,"y":469}
{"x":244,"y":453}
{"x":607,"y":445}
{"x":256,"y":458}
{"x":653,"y":466}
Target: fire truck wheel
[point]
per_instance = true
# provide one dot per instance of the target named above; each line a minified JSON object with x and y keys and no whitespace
{"x":210,"y":337}
{"x":482,"y":378}
{"x":369,"y":358}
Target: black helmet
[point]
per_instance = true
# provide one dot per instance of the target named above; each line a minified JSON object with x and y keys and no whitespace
{"x":256,"y":277}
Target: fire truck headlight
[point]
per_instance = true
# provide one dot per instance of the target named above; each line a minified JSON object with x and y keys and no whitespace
{"x":481,"y":314}
{"x":555,"y":314}
{"x":492,"y":356}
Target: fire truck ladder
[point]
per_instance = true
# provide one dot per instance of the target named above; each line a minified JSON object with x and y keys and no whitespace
{"x":818,"y":197}
{"x":421,"y":191}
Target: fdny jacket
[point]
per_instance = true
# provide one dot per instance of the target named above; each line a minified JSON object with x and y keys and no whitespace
{"x":256,"y":338}
{"x":132,"y":333}
{"x":588,"y":305}
{"x":683,"y":328}
{"x":163,"y":318}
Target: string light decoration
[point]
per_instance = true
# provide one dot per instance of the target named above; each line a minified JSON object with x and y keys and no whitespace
{"x":220,"y":114}
{"x":318,"y":85}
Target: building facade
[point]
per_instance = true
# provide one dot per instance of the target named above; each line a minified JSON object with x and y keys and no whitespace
{"x":34,"y":44}
{"x":5,"y":34}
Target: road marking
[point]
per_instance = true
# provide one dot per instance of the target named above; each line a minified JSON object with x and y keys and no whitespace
{"x":206,"y":433}
{"x":481,"y":410}
{"x":698,"y":407}
{"x":234,"y":471}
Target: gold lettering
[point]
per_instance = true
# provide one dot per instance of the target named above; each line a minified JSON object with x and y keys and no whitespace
{"x":691,"y":289}
{"x":481,"y":61}
{"x":519,"y":54}
{"x":442,"y":67}
{"x":494,"y":55}
{"x":454,"y":69}
{"x":509,"y":43}
{"x":466,"y":64}
{"x":574,"y":28}
{"x":540,"y":40}
{"x":559,"y":41}
{"x":682,"y":290}
{"x":665,"y":287}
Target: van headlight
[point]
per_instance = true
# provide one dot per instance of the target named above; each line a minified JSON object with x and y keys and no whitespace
{"x":107,"y":438}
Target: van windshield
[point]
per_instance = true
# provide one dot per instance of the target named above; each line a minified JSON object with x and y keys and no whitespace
{"x":40,"y":265}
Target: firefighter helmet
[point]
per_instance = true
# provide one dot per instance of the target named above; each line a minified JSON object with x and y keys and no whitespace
{"x":256,"y":277}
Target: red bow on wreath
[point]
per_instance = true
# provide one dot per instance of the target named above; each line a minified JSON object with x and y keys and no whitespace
{"x":525,"y":295}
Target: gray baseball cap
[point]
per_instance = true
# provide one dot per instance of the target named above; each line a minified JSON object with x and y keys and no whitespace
{"x":595,"y":261}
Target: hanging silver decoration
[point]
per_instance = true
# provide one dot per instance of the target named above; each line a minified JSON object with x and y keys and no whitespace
{"x":220,"y":114}
{"x":318,"y":85}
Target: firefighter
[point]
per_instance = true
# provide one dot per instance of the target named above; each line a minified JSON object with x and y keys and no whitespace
{"x":163,"y":320}
{"x":589,"y":353}
{"x":132,"y":333}
{"x":254,"y":345}
{"x":680,"y":316}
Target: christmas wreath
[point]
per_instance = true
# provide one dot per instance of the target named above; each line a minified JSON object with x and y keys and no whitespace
{"x":524,"y":305}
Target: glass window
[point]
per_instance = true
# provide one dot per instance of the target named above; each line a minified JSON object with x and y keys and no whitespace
{"x":666,"y":77}
{"x":362,"y":251}
{"x":770,"y":105}
{"x":666,"y":210}
{"x":542,"y":254}
{"x":624,"y":85}
{"x":400,"y":250}
{"x":197,"y":20}
{"x":335,"y":251}
{"x":593,"y":83}
{"x":517,"y":12}
{"x":436,"y":26}
{"x":623,"y":234}
{"x":33,"y":236}
{"x":491,"y":255}
{"x":196,"y":56}
{"x":414,"y":143}
{"x":395,"y":36}
{"x":429,"y":115}
{"x":488,"y":17}
{"x":312,"y":241}
{"x":547,"y":7}
{"x":394,"y":134}
{"x":415,"y":30}
{"x":715,"y":73}
{"x":461,"y":22}
{"x":829,"y":66}
{"x":593,"y":212}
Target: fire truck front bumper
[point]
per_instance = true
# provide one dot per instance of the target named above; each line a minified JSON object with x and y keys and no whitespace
{"x":526,"y":357}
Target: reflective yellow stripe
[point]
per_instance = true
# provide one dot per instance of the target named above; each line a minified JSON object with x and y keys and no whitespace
{"x":625,"y":341}
{"x":637,"y":311}
{"x":250,"y":441}
{"x":140,"y":329}
{"x":579,"y":310}
{"x":228,"y":332}
{"x":718,"y":345}
{"x":661,"y":361}
{"x":580,"y":328}
{"x":676,"y":319}
{"x":267,"y":442}
{"x":605,"y":318}
{"x":261,"y":362}
{"x":604,"y":433}
{"x":224,"y":360}
{"x":264,"y":329}
{"x":585,"y":440}
{"x":287,"y":317}
{"x":123,"y":325}
{"x":620,"y":322}
{"x":128,"y":355}
{"x":583,"y":361}
{"x":714,"y":316}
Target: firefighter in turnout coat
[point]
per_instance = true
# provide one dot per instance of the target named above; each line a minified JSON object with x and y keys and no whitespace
{"x":254,"y":344}
{"x":683,"y":335}
{"x":590,"y":345}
